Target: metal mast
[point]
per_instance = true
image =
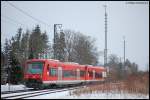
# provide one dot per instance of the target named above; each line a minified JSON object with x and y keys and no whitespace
{"x":55,"y":37}
{"x":54,"y":45}
{"x":124,"y":51}
{"x":105,"y":50}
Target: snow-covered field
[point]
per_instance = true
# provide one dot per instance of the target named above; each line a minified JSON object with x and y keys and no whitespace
{"x":112,"y":95}
{"x":69,"y":95}
{"x":12,"y":87}
{"x":66,"y":95}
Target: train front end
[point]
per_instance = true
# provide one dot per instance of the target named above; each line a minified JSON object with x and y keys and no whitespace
{"x":33,"y":73}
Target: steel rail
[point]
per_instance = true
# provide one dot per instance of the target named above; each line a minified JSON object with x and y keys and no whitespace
{"x":32,"y":94}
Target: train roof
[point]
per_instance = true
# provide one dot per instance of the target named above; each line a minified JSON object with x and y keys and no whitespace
{"x":67,"y":63}
{"x":70,"y":63}
{"x":43,"y":60}
{"x":97,"y":67}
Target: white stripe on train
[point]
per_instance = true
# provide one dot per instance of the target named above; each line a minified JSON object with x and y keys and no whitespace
{"x":69,"y":81}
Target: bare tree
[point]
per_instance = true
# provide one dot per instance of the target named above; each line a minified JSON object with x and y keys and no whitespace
{"x":115,"y":67}
{"x":70,"y":37}
{"x":80,"y":48}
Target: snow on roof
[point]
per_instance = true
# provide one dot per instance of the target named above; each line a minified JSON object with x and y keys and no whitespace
{"x":89,"y":65}
{"x":53,"y":59}
{"x":46,"y":59}
{"x":70,"y":63}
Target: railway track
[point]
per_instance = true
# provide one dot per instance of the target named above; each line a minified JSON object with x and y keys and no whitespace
{"x":20,"y":94}
{"x":17,"y":91}
{"x":34,"y":93}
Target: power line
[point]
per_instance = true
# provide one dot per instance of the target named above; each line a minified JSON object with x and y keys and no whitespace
{"x":27,"y":13}
{"x":12,"y":20}
{"x":6,"y":21}
{"x":9,"y":22}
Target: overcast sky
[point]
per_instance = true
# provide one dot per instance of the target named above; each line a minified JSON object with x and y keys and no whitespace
{"x":124,"y":19}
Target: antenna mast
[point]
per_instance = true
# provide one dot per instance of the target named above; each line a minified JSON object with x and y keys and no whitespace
{"x":105,"y":50}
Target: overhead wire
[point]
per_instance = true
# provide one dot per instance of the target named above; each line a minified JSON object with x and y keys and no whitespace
{"x":6,"y":21}
{"x":12,"y":20}
{"x":27,"y":13}
{"x":24,"y":12}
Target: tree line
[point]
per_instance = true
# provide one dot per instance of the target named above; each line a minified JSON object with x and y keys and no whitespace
{"x":119,"y":70}
{"x":69,"y":46}
{"x":18,"y":49}
{"x":75,"y":47}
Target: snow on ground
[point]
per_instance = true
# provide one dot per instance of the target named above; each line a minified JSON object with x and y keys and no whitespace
{"x":8,"y":87}
{"x":101,"y":95}
{"x":96,"y":95}
{"x":59,"y":95}
{"x":66,"y":94}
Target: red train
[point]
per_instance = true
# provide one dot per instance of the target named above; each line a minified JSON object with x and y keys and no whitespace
{"x":48,"y":72}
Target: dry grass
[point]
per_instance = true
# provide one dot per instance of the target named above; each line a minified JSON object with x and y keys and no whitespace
{"x":133,"y":84}
{"x":137,"y":83}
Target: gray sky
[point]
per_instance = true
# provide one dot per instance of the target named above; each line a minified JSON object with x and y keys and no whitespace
{"x":124,"y":19}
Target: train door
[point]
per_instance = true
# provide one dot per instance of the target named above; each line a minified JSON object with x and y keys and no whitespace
{"x":47,"y":70}
{"x":59,"y":73}
{"x":78,"y":74}
{"x":86,"y":73}
{"x":93,"y":74}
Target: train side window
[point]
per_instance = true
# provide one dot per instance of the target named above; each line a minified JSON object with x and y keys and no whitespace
{"x":53,"y":72}
{"x":68,"y":73}
{"x":82,"y":73}
{"x":98,"y":75}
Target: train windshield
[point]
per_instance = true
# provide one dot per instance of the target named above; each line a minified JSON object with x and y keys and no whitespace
{"x":35,"y":68}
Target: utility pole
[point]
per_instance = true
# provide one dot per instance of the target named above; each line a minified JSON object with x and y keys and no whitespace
{"x":120,"y":59}
{"x":124,"y":56}
{"x":105,"y":50}
{"x":124,"y":50}
{"x":54,"y":45}
{"x":55,"y":38}
{"x":9,"y":66}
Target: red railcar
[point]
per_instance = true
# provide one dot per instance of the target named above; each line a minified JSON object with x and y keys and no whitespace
{"x":43,"y":72}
